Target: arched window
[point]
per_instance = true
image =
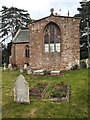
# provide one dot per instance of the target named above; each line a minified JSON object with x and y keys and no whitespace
{"x":27,"y":51}
{"x":52,"y":38}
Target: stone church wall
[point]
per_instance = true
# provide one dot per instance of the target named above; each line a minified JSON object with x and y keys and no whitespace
{"x":69,"y":49}
{"x":18,"y":54}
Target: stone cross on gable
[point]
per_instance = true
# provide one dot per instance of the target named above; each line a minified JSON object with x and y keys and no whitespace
{"x":21,"y":90}
{"x":52,"y":10}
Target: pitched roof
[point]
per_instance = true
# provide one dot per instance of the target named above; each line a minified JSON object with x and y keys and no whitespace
{"x":22,"y":36}
{"x":34,"y":21}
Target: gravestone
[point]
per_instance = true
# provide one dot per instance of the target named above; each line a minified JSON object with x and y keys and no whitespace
{"x":10,"y":66}
{"x":21,"y":70}
{"x":29,"y":71}
{"x":25,"y":66}
{"x":87,"y":63}
{"x":21,"y":90}
{"x":4,"y":68}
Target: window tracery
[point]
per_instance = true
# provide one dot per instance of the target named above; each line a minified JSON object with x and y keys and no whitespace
{"x":52,"y":38}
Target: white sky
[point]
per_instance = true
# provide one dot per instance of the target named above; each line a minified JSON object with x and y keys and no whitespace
{"x":41,"y":8}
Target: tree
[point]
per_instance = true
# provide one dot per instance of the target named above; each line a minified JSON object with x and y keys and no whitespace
{"x":4,"y":53}
{"x":84,"y":13}
{"x":11,"y":20}
{"x":0,"y":55}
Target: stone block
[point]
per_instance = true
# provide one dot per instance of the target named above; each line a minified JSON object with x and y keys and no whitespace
{"x":55,"y":72}
{"x":38,"y":72}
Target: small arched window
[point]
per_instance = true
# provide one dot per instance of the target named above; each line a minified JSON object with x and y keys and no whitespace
{"x":27,"y":51}
{"x":52,"y":38}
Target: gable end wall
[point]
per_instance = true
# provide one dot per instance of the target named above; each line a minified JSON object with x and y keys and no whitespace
{"x":69,"y":52}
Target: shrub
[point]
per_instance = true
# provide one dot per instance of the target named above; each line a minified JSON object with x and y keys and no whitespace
{"x":60,"y":93}
{"x":82,"y":65}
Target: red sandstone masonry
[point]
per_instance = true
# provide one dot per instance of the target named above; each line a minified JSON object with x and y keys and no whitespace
{"x":19,"y":54}
{"x":69,"y":49}
{"x":70,"y":52}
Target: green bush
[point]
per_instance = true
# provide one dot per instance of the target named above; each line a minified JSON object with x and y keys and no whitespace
{"x":82,"y":65}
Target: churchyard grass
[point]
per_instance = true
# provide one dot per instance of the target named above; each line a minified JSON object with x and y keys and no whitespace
{"x":77,"y":107}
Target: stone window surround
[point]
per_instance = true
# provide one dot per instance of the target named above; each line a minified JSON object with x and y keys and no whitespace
{"x":27,"y":51}
{"x":56,"y":32}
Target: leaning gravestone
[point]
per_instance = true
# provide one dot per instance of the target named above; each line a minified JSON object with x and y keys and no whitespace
{"x":21,"y":90}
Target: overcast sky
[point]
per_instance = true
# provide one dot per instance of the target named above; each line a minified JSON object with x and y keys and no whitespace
{"x":41,"y":8}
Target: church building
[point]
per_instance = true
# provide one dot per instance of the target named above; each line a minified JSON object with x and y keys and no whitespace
{"x":50,"y":43}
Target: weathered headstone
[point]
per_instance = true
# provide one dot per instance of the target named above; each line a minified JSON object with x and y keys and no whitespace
{"x":10,"y":66}
{"x":29,"y":71}
{"x":87,"y":63}
{"x":4,"y":68}
{"x":21,"y":90}
{"x":25,"y":66}
{"x":21,"y":70}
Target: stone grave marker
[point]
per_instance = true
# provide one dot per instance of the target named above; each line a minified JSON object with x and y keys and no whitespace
{"x":21,"y":70}
{"x":29,"y":71}
{"x":21,"y":90}
{"x":10,"y":66}
{"x":25,"y":66}
{"x":87,"y":63}
{"x":4,"y":68}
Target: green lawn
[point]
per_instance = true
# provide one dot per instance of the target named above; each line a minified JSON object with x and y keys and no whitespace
{"x":77,"y":107}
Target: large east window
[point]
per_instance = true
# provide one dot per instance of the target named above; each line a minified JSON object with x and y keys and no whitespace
{"x":52,"y":38}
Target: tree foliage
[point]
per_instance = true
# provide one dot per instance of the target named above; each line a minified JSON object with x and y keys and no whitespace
{"x":11,"y":20}
{"x":84,"y":13}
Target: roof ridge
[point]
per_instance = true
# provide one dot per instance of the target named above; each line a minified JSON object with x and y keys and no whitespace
{"x":16,"y":35}
{"x":24,"y":29}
